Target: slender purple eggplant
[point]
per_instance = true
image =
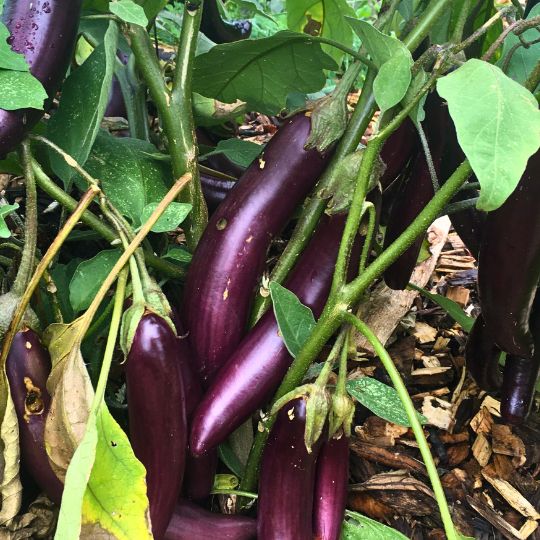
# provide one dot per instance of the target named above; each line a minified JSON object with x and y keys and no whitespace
{"x":157,"y":415}
{"x":190,"y":522}
{"x":200,"y":470}
{"x":27,"y":368}
{"x":232,"y":251}
{"x":255,"y":369}
{"x":287,"y":479}
{"x":44,"y":31}
{"x":509,"y":265}
{"x":482,"y":357}
{"x":215,"y":190}
{"x":330,"y":496}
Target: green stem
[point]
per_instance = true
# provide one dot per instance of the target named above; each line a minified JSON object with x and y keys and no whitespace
{"x":236,"y":492}
{"x":366,"y":248}
{"x":424,"y":24}
{"x":341,"y":383}
{"x":412,"y":415}
{"x":355,"y":54}
{"x":96,"y":224}
{"x":457,"y":34}
{"x":459,"y":206}
{"x":26,"y":266}
{"x":324,"y":375}
{"x":519,"y":8}
{"x":534,"y":78}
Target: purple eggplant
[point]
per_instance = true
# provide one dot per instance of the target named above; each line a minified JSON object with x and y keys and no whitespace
{"x":190,"y":522}
{"x":215,"y":190}
{"x":255,"y":369}
{"x":482,"y":357}
{"x":232,"y":251}
{"x":200,"y":470}
{"x":287,"y":479}
{"x":331,"y":489}
{"x":157,"y":415}
{"x":45,"y":32}
{"x":219,"y":30}
{"x":27,"y":368}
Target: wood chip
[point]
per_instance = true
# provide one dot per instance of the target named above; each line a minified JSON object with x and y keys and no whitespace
{"x":424,"y":333}
{"x":438,"y":412}
{"x":506,"y":443}
{"x":512,"y":496}
{"x":460,"y":295}
{"x":481,"y":450}
{"x":482,"y":422}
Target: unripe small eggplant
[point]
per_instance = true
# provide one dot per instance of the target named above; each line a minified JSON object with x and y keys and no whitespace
{"x":157,"y":415}
{"x":44,"y":31}
{"x":287,"y":478}
{"x":257,"y":366}
{"x":232,"y":251}
{"x":218,"y":30}
{"x":215,"y":190}
{"x":27,"y":368}
{"x":331,"y":489}
{"x":190,"y":522}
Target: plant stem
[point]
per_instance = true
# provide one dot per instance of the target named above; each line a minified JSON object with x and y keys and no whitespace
{"x":42,"y":266}
{"x":342,"y":373}
{"x":460,"y":205}
{"x":519,"y":8}
{"x":457,"y":34}
{"x":90,"y":219}
{"x":335,"y":310}
{"x":355,"y":54}
{"x":418,"y":431}
{"x":26,"y":265}
{"x":175,"y":113}
{"x":534,"y":78}
{"x":366,"y":248}
{"x":424,"y":24}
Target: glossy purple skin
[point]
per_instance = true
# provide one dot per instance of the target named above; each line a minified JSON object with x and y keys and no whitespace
{"x":232,"y":251}
{"x":215,"y":190}
{"x":219,"y":30}
{"x":330,"y":496}
{"x":116,"y":106}
{"x":157,"y":415}
{"x":45,"y":32}
{"x":397,"y":151}
{"x":482,"y":357}
{"x":509,"y":265}
{"x":287,"y":478}
{"x":28,"y":359}
{"x":190,"y":522}
{"x":200,"y":471}
{"x":412,"y":197}
{"x":256,"y":368}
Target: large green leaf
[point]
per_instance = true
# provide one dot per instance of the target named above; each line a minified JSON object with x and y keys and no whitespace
{"x":128,"y":11}
{"x":324,"y":18}
{"x":5,"y":210}
{"x":392,"y":58}
{"x":10,"y":59}
{"x":381,"y":399}
{"x":359,"y":527}
{"x":498,"y":126}
{"x":129,"y":175}
{"x":239,"y":151}
{"x":84,"y":98}
{"x":524,"y":59}
{"x":262,"y":72}
{"x":20,"y":90}
{"x":295,"y":320}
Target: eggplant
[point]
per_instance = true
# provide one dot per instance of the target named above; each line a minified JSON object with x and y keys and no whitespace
{"x":215,"y":190}
{"x":331,"y":489}
{"x":256,"y":368}
{"x":190,"y":522}
{"x":199,"y":471}
{"x":482,"y":357}
{"x":232,"y":251}
{"x":27,"y":368}
{"x":157,"y":414}
{"x":509,"y":265}
{"x":44,"y":31}
{"x":287,"y":479}
{"x":218,"y":30}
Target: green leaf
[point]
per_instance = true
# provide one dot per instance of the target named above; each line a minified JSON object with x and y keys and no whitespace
{"x":295,"y":320}
{"x":11,"y":165}
{"x":107,"y":481}
{"x":5,"y":210}
{"x":177,"y":253}
{"x":392,"y":81}
{"x":89,"y":276}
{"x":85,"y":94}
{"x":523,"y":60}
{"x":128,"y":11}
{"x":230,"y":459}
{"x":225,"y":481}
{"x":262,"y":72}
{"x":497,"y":123}
{"x":453,"y":309}
{"x":380,"y":399}
{"x":20,"y":90}
{"x":418,"y":114}
{"x":360,"y":527}
{"x":130,"y":175}
{"x":324,"y":18}
{"x":238,"y":151}
{"x":10,"y":59}
{"x":174,"y":214}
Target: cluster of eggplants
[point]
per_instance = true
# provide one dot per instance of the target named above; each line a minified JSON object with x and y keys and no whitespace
{"x":44,"y":31}
{"x":231,"y":254}
{"x":220,"y":31}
